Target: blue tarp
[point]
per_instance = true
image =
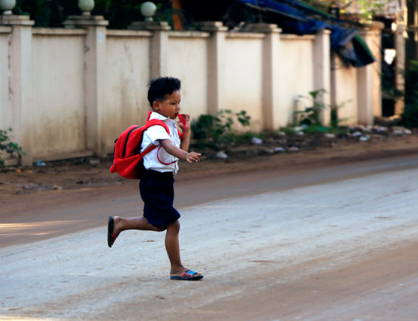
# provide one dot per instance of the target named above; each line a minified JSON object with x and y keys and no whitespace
{"x":296,"y":17}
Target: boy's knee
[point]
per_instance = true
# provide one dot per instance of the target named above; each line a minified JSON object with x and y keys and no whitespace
{"x":175,"y":226}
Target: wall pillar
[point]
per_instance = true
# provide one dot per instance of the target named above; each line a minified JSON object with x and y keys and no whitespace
{"x":216,"y":65}
{"x":322,"y":72}
{"x":20,"y":82}
{"x":368,"y":79}
{"x":375,"y":45}
{"x":159,"y":45}
{"x":95,"y":65}
{"x":399,"y":65}
{"x":271,"y":74}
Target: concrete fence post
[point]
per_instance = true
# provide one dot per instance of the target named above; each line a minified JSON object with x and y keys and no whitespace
{"x":400,"y":65}
{"x":271,"y":74}
{"x":159,"y":45}
{"x":216,"y":65}
{"x":20,"y":82}
{"x":95,"y":65}
{"x":322,"y":72}
{"x":368,"y":78}
{"x":159,"y":49}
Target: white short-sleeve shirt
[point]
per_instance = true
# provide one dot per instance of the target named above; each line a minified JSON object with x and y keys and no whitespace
{"x":158,"y":159}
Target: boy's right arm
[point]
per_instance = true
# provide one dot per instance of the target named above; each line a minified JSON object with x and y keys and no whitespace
{"x":179,"y":153}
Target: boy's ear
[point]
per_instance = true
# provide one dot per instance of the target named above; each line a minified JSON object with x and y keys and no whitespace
{"x":155,"y":105}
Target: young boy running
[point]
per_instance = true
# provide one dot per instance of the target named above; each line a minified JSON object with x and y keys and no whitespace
{"x":156,"y":184}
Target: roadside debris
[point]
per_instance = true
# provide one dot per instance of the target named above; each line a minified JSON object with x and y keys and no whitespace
{"x":295,"y":139}
{"x":221,"y":154}
{"x":256,"y":141}
{"x":40,"y":162}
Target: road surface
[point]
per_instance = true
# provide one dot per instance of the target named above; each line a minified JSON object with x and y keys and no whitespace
{"x":336,"y":244}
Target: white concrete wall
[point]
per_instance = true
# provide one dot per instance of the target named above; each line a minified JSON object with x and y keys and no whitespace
{"x":85,"y":86}
{"x":126,"y":78}
{"x":187,"y":60}
{"x":243,"y":76}
{"x":58,"y":122}
{"x":345,"y":91}
{"x":374,"y":42}
{"x":5,"y":120}
{"x":297,"y":70}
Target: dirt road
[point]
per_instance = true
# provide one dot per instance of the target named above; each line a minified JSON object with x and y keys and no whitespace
{"x":31,"y":210}
{"x":324,"y":236}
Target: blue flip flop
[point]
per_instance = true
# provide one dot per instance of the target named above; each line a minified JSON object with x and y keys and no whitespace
{"x":188,"y":275}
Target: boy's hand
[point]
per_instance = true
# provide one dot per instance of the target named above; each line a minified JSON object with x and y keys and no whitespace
{"x":193,"y":157}
{"x":187,"y":119}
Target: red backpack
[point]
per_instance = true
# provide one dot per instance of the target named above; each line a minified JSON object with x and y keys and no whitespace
{"x":127,"y":159}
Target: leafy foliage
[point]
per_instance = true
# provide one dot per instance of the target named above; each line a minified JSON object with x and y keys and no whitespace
{"x":366,"y":9}
{"x":312,"y":114}
{"x":6,"y":145}
{"x":217,"y":129}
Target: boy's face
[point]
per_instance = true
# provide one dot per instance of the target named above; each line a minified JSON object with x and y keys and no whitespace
{"x":169,"y":106}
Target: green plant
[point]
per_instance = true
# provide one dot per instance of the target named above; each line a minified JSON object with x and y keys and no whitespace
{"x":312,"y":115}
{"x":335,"y":120}
{"x":6,"y":145}
{"x":314,"y":130}
{"x":212,"y":130}
{"x":289,"y":131}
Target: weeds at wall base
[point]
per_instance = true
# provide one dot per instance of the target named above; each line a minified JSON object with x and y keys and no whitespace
{"x":8,"y":149}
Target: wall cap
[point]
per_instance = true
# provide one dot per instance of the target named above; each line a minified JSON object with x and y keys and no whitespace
{"x":16,"y":20}
{"x":263,"y":28}
{"x":85,"y":21}
{"x":210,"y":26}
{"x":374,"y":25}
{"x":149,"y":25}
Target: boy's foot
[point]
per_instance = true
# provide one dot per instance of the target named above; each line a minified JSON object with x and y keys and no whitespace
{"x":111,"y":236}
{"x":187,"y":275}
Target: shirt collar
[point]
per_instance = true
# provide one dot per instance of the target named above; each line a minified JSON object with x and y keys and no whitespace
{"x":155,"y":115}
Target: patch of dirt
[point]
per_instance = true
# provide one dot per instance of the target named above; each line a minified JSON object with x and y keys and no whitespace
{"x":88,"y":172}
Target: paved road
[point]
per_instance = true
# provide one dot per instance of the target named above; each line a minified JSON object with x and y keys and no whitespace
{"x":341,"y":250}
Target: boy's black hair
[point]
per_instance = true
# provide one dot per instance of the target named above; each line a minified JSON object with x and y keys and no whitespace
{"x":162,"y":86}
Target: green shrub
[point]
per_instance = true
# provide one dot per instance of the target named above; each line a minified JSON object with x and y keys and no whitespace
{"x":289,"y":131}
{"x":312,"y":115}
{"x":6,"y":145}
{"x":212,"y":130}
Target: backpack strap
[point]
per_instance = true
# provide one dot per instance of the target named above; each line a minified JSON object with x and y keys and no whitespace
{"x":154,"y":122}
{"x":183,"y":121}
{"x":148,"y":124}
{"x":180,"y":117}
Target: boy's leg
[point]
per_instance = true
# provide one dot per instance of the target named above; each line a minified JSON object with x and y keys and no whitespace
{"x":172,"y":246}
{"x":134,"y":223}
{"x":118,"y":224}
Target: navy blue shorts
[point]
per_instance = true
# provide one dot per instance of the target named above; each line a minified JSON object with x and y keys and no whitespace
{"x":157,"y":192}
